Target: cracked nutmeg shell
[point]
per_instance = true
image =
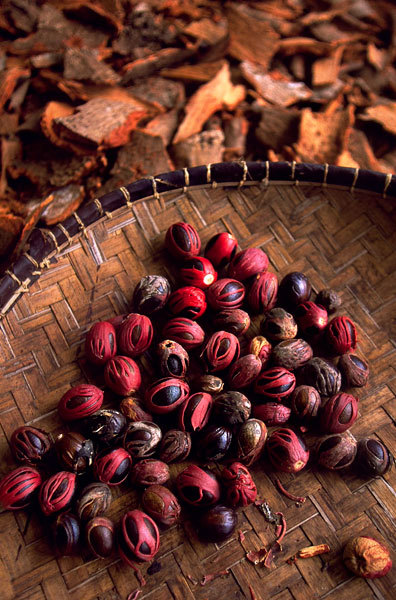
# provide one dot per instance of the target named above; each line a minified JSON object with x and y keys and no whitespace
{"x":197,"y":486}
{"x":122,"y":375}
{"x":150,"y":471}
{"x":287,"y":451}
{"x":244,"y":371}
{"x":80,"y":401}
{"x":100,"y":536}
{"x":373,"y":458}
{"x":173,"y":359}
{"x":166,"y":394}
{"x":74,"y":451}
{"x":294,"y":289}
{"x":161,"y":504}
{"x":248,"y":263}
{"x":250,"y":441}
{"x":198,"y":272}
{"x":151,"y":294}
{"x":263,"y":292}
{"x":142,"y":438}
{"x":57,"y":492}
{"x":138,"y":537}
{"x":231,"y":408}
{"x":329,"y":299}
{"x":336,"y":451}
{"x":17,"y":488}
{"x":210,"y":384}
{"x":291,"y":354}
{"x":278,"y":325}
{"x":234,"y":321}
{"x":66,"y":534}
{"x":226,"y":294}
{"x":185,"y":332}
{"x":341,"y":336}
{"x":182,"y":240}
{"x":221,"y":249}
{"x":221,"y":349}
{"x":29,"y":444}
{"x":354,"y":370}
{"x":195,"y":412}
{"x":134,"y":335}
{"x":188,"y":302}
{"x":112,"y":466}
{"x":240,"y":487}
{"x":100,"y":343}
{"x":175,"y":446}
{"x":366,"y":557}
{"x":322,"y":375}
{"x":94,"y":501}
{"x":106,"y":426}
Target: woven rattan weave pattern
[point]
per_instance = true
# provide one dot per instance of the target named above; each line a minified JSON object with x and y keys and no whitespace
{"x":342,"y":239}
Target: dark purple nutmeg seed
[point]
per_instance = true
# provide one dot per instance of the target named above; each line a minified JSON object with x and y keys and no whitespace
{"x":279,"y":325}
{"x":173,"y":359}
{"x":244,"y":371}
{"x":151,"y":294}
{"x":112,"y":466}
{"x":339,"y":413}
{"x":142,"y":438}
{"x":182,"y":240}
{"x":29,"y":444}
{"x":217,"y":523}
{"x":94,"y":501}
{"x":175,"y":446}
{"x":100,"y":536}
{"x":275,"y":384}
{"x":161,"y":504}
{"x":150,"y":471}
{"x":294,"y":289}
{"x":106,"y":426}
{"x":233,"y":320}
{"x":336,"y":451}
{"x":291,"y":354}
{"x":305,"y":403}
{"x":373,"y":458}
{"x":214,"y":442}
{"x":329,"y":299}
{"x":66,"y":534}
{"x":231,"y":408}
{"x":354,"y":370}
{"x":322,"y":375}
{"x":221,"y":249}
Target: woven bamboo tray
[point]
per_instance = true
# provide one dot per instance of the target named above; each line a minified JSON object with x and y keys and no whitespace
{"x":336,"y":225}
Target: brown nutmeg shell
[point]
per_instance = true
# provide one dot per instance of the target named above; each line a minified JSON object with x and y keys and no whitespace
{"x":244,"y":371}
{"x":175,"y":446}
{"x":354,"y":370}
{"x":322,"y":375}
{"x":305,"y":403}
{"x":231,"y":408}
{"x":250,"y":441}
{"x":336,"y":451}
{"x":291,"y":354}
{"x":150,"y":472}
{"x":279,"y":325}
{"x":161,"y":504}
{"x":234,"y":321}
{"x":366,"y":557}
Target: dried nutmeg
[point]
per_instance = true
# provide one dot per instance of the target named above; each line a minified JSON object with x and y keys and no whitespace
{"x":231,"y":408}
{"x":100,"y":536}
{"x":208,"y":383}
{"x":294,"y":289}
{"x":173,"y":359}
{"x":250,"y":441}
{"x":221,"y":249}
{"x":182,"y":240}
{"x":221,"y":349}
{"x":234,"y":321}
{"x":263,"y":292}
{"x":29,"y":444}
{"x":161,"y":504}
{"x":240,"y":487}
{"x":217,"y":523}
{"x":66,"y":534}
{"x":329,"y":299}
{"x":354,"y":370}
{"x":339,"y":413}
{"x":151,"y":294}
{"x":105,"y":426}
{"x":197,"y":486}
{"x":372,"y":458}
{"x":291,"y":354}
{"x":165,"y":395}
{"x":336,"y":451}
{"x":214,"y":442}
{"x":279,"y":325}
{"x":305,"y":403}
{"x":94,"y":501}
{"x":112,"y":466}
{"x":272,"y":413}
{"x":248,"y":263}
{"x":261,"y":347}
{"x":198,"y":272}
{"x":134,"y":335}
{"x":122,"y":375}
{"x":366,"y":557}
{"x":100,"y":343}
{"x":226,"y":294}
{"x":74,"y":451}
{"x":79,"y":402}
{"x":142,"y":438}
{"x":194,"y":413}
{"x":287,"y":451}
{"x":132,"y":408}
{"x":138,"y":538}
{"x":185,"y":332}
{"x":18,"y":488}
{"x":188,"y":302}
{"x":175,"y":446}
{"x":150,"y":471}
{"x":56,"y":492}
{"x":311,"y":318}
{"x":244,"y":371}
{"x":341,"y":335}
{"x":322,"y":375}
{"x":275,"y":384}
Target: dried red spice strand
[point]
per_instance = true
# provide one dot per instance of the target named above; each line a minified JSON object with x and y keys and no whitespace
{"x":225,"y":294}
{"x":299,"y":499}
{"x":212,"y":576}
{"x":134,"y":595}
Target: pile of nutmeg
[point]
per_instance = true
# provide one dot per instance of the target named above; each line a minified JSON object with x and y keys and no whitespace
{"x":213,"y":392}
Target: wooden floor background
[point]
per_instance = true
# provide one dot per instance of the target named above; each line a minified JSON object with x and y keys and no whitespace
{"x":344,"y":241}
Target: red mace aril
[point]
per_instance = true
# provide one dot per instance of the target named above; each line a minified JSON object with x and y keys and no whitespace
{"x":272,"y":413}
{"x":339,"y":413}
{"x":275,"y":384}
{"x":311,"y":318}
{"x":341,"y":336}
{"x":134,"y":335}
{"x":18,"y":487}
{"x":233,"y":320}
{"x":261,"y":347}
{"x":244,"y":371}
{"x":263,"y":292}
{"x":182,"y":241}
{"x":166,"y":394}
{"x":287,"y":451}
{"x":122,"y":375}
{"x":112,"y":466}
{"x":336,"y":451}
{"x":240,"y":487}
{"x":226,"y":294}
{"x":366,"y":557}
{"x":198,"y":272}
{"x":29,"y":444}
{"x":194,"y":413}
{"x":173,"y":359}
{"x":248,"y":263}
{"x":150,"y":471}
{"x":56,"y":492}
{"x":305,"y":403}
{"x":221,"y":349}
{"x":197,"y":486}
{"x":80,"y":401}
{"x":161,"y":504}
{"x":138,"y":538}
{"x":185,"y":332}
{"x":100,"y":343}
{"x":221,"y":249}
{"x":188,"y":301}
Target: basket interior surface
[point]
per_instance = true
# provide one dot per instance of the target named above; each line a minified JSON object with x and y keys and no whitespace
{"x":342,"y":240}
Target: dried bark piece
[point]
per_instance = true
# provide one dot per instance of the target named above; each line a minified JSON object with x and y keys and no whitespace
{"x":209,"y":98}
{"x":385,"y":114}
{"x":200,"y":72}
{"x":62,"y":203}
{"x":163,"y":125}
{"x":164,"y":58}
{"x":377,"y":57}
{"x":199,"y":149}
{"x":325,"y":70}
{"x":52,"y":111}
{"x":207,"y":29}
{"x":303,"y":45}
{"x":235,"y":132}
{"x":274,"y":87}
{"x":360,"y":153}
{"x":278,"y":127}
{"x":11,"y":150}
{"x":23,"y":14}
{"x":46,"y":59}
{"x":8,"y":81}
{"x":159,"y":93}
{"x":83,"y":64}
{"x":109,"y":13}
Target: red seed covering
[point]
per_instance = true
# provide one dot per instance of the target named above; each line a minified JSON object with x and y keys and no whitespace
{"x":182,"y":240}
{"x":100,"y":343}
{"x":221,"y":349}
{"x":134,"y":335}
{"x":341,"y":336}
{"x":188,"y":301}
{"x":195,"y":412}
{"x":122,"y":375}
{"x":247,"y":263}
{"x":263,"y":292}
{"x":80,"y":401}
{"x":275,"y":384}
{"x":165,"y":395}
{"x":56,"y":492}
{"x":198,"y":272}
{"x":287,"y":451}
{"x":17,"y":488}
{"x":139,"y":538}
{"x":221,"y":249}
{"x":226,"y":294}
{"x":185,"y":332}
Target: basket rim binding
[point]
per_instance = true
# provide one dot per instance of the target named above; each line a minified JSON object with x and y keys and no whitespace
{"x":45,"y":244}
